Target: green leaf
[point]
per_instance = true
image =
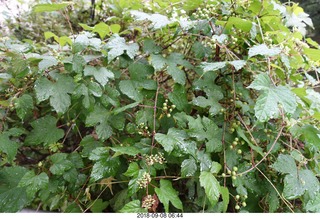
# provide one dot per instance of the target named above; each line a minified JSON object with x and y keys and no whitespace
{"x":58,"y":92}
{"x":239,"y":23}
{"x":24,"y":105}
{"x":244,"y":137}
{"x":267,"y":103}
{"x":124,"y":108}
{"x":105,"y":167}
{"x":177,"y":74}
{"x":179,"y":97}
{"x":215,"y":167}
{"x":49,"y":7}
{"x":60,"y":163}
{"x":34,"y":183}
{"x":104,"y":130}
{"x":129,"y":150}
{"x":263,"y":50}
{"x":101,"y":74}
{"x":47,"y":62}
{"x":98,"y":205}
{"x":157,"y":20}
{"x":285,"y":164}
{"x":188,"y":167}
{"x":133,"y":170}
{"x":174,"y":138}
{"x":313,"y":205}
{"x":13,"y":200}
{"x":44,"y":131}
{"x":78,"y":62}
{"x":9,"y":147}
{"x":133,"y":207}
{"x":102,"y":29}
{"x":205,"y":160}
{"x":225,"y":197}
{"x":200,"y":50}
{"x":158,"y":61}
{"x":118,"y":46}
{"x":313,"y":54}
{"x":166,"y":193}
{"x":149,"y":46}
{"x":293,"y":187}
{"x":128,"y":88}
{"x":211,"y":186}
{"x":206,"y":66}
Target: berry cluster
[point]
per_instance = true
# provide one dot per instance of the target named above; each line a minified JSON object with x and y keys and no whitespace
{"x":144,"y":180}
{"x":167,"y":109}
{"x":148,"y":202}
{"x":240,"y":201}
{"x":157,"y":158}
{"x":205,"y":13}
{"x":143,"y":130}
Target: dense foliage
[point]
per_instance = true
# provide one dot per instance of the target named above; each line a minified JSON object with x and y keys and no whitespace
{"x":175,"y":106}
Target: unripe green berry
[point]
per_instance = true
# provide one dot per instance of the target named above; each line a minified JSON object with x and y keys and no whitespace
{"x":239,"y":151}
{"x":223,"y":175}
{"x":244,"y":204}
{"x":237,"y":197}
{"x":235,"y":168}
{"x":233,"y":173}
{"x":168,"y":115}
{"x":234,"y":177}
{"x":234,"y":143}
{"x":236,"y":139}
{"x":165,"y":108}
{"x":237,"y":207}
{"x":229,"y":171}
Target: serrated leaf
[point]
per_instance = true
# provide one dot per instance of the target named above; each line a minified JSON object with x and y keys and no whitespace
{"x":133,"y":207}
{"x":8,"y":147}
{"x":95,"y":89}
{"x":104,"y":130}
{"x":188,"y":167}
{"x":166,"y":193}
{"x":128,"y":88}
{"x":313,"y":205}
{"x":58,"y":92}
{"x":158,"y":20}
{"x":263,"y":50}
{"x":206,"y":66}
{"x":23,"y":105}
{"x":179,"y":97}
{"x":172,"y":139}
{"x":238,"y":64}
{"x":60,"y":163}
{"x":285,"y":164}
{"x":49,"y":7}
{"x":129,"y":150}
{"x":78,"y":62}
{"x":124,"y":108}
{"x":215,"y":167}
{"x":133,"y":170}
{"x":13,"y":200}
{"x":293,"y":187}
{"x":177,"y":74}
{"x":149,"y":46}
{"x":225,"y":197}
{"x":44,"y":132}
{"x":102,"y":29}
{"x":267,"y":105}
{"x":34,"y":183}
{"x":47,"y":62}
{"x":211,"y":186}
{"x":105,"y":167}
{"x":205,"y":160}
{"x":200,"y":50}
{"x":101,"y":74}
{"x":98,"y":206}
{"x":118,"y":46}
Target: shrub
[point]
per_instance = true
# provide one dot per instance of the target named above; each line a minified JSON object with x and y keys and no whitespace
{"x":209,"y":108}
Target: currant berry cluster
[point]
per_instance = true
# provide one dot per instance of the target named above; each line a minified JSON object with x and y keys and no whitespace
{"x":167,"y":109}
{"x":152,"y":159}
{"x":148,"y":202}
{"x":144,"y":180}
{"x":240,"y":201}
{"x":143,"y":130}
